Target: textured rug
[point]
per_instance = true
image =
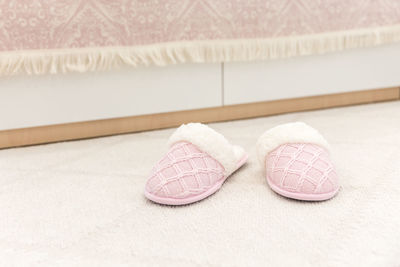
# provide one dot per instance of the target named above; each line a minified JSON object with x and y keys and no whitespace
{"x":81,"y":203}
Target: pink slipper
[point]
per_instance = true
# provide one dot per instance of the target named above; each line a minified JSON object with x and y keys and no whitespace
{"x":196,"y":165}
{"x":297,"y":162}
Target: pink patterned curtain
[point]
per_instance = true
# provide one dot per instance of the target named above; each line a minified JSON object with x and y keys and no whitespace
{"x":52,"y":24}
{"x":50,"y":36}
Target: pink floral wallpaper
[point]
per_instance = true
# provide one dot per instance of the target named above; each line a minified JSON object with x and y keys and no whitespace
{"x":51,"y":24}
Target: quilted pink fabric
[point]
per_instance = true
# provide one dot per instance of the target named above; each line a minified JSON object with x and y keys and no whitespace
{"x":51,"y":24}
{"x":184,"y":172}
{"x":301,"y":168}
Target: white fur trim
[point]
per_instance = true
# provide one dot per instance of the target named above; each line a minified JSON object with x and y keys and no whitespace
{"x":295,"y":132}
{"x":210,"y":142}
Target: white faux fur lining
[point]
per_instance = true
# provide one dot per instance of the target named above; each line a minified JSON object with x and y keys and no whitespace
{"x":295,"y":132}
{"x":210,"y":142}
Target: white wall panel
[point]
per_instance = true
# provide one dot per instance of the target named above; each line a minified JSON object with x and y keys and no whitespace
{"x":27,"y":101}
{"x":351,"y":70}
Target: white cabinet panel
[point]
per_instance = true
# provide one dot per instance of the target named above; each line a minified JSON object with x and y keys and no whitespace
{"x":27,"y":101}
{"x":351,"y":70}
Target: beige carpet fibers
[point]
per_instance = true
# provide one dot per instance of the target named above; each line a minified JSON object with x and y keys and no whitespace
{"x":81,"y":203}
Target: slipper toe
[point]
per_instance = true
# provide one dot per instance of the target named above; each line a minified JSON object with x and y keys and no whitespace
{"x":302,"y":170}
{"x":196,"y":165}
{"x":297,"y":162}
{"x":184,"y":172}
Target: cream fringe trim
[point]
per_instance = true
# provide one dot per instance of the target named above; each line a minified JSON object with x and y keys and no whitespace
{"x":106,"y":58}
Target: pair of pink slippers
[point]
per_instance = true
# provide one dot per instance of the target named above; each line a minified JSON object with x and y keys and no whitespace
{"x":294,"y":155}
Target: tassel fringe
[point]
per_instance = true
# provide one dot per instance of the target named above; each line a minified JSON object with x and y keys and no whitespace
{"x":210,"y":51}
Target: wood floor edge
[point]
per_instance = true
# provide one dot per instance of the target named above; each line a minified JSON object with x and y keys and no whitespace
{"x":88,"y":129}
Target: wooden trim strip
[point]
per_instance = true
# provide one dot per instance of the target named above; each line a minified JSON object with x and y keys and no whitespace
{"x":88,"y":129}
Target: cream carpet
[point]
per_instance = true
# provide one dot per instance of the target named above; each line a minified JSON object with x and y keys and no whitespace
{"x":81,"y":203}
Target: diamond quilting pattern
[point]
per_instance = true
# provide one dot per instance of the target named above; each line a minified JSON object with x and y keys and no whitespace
{"x":302,"y":168}
{"x":184,"y":171}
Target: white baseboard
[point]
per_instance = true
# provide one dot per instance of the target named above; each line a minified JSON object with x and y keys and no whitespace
{"x":28,"y":101}
{"x":352,"y":70}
